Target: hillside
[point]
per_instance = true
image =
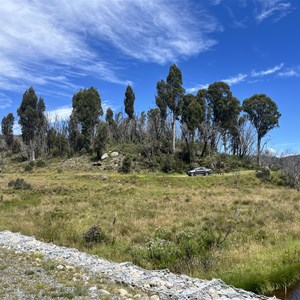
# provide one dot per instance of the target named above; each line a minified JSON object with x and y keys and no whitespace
{"x":219,"y":226}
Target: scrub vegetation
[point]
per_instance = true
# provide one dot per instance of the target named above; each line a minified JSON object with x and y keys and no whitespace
{"x":237,"y":227}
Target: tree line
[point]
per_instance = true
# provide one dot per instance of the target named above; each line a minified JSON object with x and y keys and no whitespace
{"x":192,"y":125}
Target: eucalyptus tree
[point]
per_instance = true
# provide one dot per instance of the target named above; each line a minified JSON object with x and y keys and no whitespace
{"x":263,"y":114}
{"x":130,"y":122}
{"x":129,"y":102}
{"x":32,"y":120}
{"x":192,"y":115}
{"x":175,"y":93}
{"x":7,"y":129}
{"x":41,"y":131}
{"x":161,"y":102}
{"x":101,"y":138}
{"x":85,"y":114}
{"x":224,"y":109}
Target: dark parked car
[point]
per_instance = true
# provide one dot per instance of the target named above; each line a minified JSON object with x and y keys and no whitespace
{"x":199,"y":171}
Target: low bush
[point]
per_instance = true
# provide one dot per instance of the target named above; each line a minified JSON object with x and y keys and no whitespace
{"x":28,"y":168}
{"x":41,"y":163}
{"x":95,"y":235}
{"x":19,"y":184}
{"x":264,"y":173}
{"x":126,"y":165}
{"x":31,"y":163}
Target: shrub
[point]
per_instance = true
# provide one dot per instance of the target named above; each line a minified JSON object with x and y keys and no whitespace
{"x":59,"y":170}
{"x":94,"y":235}
{"x":167,"y":165}
{"x":126,"y":165}
{"x":264,"y":173}
{"x":31,"y":163}
{"x":19,"y":184}
{"x":41,"y":163}
{"x":28,"y":168}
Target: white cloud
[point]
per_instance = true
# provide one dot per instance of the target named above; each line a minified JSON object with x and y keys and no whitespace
{"x":267,"y":72}
{"x":5,"y":101}
{"x":275,"y":9}
{"x":288,"y":74}
{"x":17,"y":128}
{"x":64,"y":112}
{"x":76,"y":38}
{"x":197,"y":88}
{"x":59,"y":114}
{"x":236,"y":79}
{"x":230,"y":81}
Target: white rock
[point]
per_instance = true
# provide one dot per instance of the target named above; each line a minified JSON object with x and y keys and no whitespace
{"x":104,"y":156}
{"x":154,"y":297}
{"x":92,"y":289}
{"x":114,"y":154}
{"x":60,"y":267}
{"x":104,"y":177}
{"x":123,"y":292}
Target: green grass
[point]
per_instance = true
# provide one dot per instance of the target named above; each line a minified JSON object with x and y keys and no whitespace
{"x":159,"y":220}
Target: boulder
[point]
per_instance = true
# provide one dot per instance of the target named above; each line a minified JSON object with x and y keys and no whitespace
{"x":104,"y":156}
{"x":114,"y":154}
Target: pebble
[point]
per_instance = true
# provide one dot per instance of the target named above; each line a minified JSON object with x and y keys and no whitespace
{"x":60,"y":267}
{"x":161,"y":284}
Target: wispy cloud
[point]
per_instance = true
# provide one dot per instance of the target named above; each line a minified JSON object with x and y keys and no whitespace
{"x":256,"y":77}
{"x":5,"y":101}
{"x":236,"y":79}
{"x":267,"y":71}
{"x":63,"y":113}
{"x":230,"y":81}
{"x":271,"y":9}
{"x":197,"y":88}
{"x":215,"y":2}
{"x":77,"y":38}
{"x":288,"y":74}
{"x":59,"y":114}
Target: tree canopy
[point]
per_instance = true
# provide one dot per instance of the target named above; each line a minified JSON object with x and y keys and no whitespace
{"x":86,"y":111}
{"x":7,"y":129}
{"x":129,"y":102}
{"x":263,"y":114}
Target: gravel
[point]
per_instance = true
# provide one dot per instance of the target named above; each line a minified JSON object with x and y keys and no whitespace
{"x":46,"y":271}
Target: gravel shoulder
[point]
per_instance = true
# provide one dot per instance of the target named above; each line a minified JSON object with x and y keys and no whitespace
{"x":30,"y":269}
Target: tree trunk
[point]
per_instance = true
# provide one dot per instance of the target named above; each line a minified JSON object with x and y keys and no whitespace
{"x":258,"y":150}
{"x":174,"y":133}
{"x":225,"y":142}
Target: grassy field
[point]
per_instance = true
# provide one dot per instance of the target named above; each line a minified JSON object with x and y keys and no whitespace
{"x":231,"y":226}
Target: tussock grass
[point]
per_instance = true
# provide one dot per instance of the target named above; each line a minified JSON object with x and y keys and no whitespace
{"x":260,"y":252}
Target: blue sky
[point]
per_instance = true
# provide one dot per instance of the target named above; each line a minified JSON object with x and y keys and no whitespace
{"x":60,"y":46}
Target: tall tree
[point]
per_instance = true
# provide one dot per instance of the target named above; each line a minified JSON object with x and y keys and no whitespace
{"x":86,"y":111}
{"x":7,"y":129}
{"x":101,"y":138}
{"x":263,"y":114}
{"x":161,"y":101}
{"x":192,"y":115}
{"x":175,"y":93}
{"x":129,"y":102}
{"x":109,"y":116}
{"x":41,"y":126}
{"x":27,"y":113}
{"x":224,"y":108}
{"x":31,"y":116}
